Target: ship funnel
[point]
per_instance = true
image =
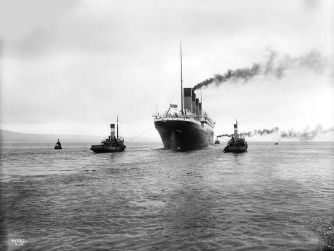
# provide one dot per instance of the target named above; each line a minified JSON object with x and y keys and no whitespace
{"x":197,"y":106}
{"x":193,"y":102}
{"x":112,"y":130}
{"x":236,"y":136}
{"x":187,"y":92}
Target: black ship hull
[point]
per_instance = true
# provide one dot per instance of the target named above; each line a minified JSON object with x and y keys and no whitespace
{"x":183,"y":134}
{"x":235,"y":149}
{"x":236,"y":146}
{"x":107,"y":149}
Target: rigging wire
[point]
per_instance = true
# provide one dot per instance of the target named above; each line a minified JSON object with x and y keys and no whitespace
{"x":177,"y":87}
{"x":173,"y":97}
{"x":140,"y":134}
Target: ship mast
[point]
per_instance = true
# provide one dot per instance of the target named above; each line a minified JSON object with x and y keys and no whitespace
{"x":181,"y":79}
{"x":117,"y":127}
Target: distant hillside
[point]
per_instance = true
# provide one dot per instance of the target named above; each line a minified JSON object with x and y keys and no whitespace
{"x":10,"y":136}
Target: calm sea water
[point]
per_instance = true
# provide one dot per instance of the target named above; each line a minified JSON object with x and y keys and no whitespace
{"x":274,"y":197}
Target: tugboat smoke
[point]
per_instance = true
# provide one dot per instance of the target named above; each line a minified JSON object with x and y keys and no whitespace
{"x":306,"y":134}
{"x":274,"y":65}
{"x":290,"y":134}
{"x":260,"y":132}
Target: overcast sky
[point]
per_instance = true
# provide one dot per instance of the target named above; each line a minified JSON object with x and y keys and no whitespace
{"x":69,"y":67}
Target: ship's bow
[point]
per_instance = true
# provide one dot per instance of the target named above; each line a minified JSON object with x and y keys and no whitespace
{"x":182,"y":134}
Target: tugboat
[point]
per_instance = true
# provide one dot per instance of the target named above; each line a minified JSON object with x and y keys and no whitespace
{"x":58,"y":145}
{"x":237,"y":143}
{"x":111,"y":144}
{"x":217,"y":141}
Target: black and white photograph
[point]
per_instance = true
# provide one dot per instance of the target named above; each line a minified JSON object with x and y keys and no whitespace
{"x":167,"y":125}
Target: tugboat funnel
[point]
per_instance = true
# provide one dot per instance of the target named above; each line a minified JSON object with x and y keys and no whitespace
{"x":236,"y":136}
{"x":112,"y":130}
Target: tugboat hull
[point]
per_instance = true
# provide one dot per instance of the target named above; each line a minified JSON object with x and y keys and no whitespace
{"x":107,"y":149}
{"x":235,"y":149}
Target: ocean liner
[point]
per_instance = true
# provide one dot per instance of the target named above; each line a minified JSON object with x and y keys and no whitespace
{"x":188,"y":128}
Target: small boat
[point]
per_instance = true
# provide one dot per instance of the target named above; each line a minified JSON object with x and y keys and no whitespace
{"x":276,"y":143}
{"x":58,"y":145}
{"x":237,"y":143}
{"x":217,"y":141}
{"x":111,"y":144}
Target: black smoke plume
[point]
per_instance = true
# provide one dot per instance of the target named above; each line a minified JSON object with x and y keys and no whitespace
{"x":260,"y":132}
{"x":304,"y":135}
{"x":253,"y":133}
{"x":225,"y":135}
{"x":274,"y":65}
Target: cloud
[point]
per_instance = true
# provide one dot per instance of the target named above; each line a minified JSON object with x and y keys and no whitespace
{"x":85,"y":61}
{"x":18,"y":17}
